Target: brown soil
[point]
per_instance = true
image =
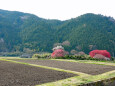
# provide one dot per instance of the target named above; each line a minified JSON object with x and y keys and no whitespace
{"x":14,"y":74}
{"x":92,"y":69}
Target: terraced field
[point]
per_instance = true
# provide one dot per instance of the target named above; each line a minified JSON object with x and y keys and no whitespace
{"x":31,"y":72}
{"x":92,"y":69}
{"x":13,"y":74}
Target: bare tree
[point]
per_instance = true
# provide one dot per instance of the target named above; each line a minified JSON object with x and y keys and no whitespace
{"x":78,"y":47}
{"x":66,"y":43}
{"x":27,"y":50}
{"x":92,"y":47}
{"x":73,"y":52}
{"x":57,"y":44}
{"x":58,"y":47}
{"x":81,"y":53}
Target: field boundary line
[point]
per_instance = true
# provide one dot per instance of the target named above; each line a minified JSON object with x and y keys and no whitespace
{"x":87,"y":62}
{"x":79,"y":81}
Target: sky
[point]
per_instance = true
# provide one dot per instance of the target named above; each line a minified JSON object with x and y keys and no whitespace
{"x":60,"y":9}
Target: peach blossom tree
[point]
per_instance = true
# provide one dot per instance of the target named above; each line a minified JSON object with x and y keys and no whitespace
{"x":59,"y":52}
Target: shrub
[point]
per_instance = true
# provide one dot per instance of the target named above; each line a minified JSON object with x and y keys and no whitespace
{"x":112,"y":58}
{"x":100,"y":57}
{"x":36,"y":56}
{"x":102,"y":52}
{"x":82,"y":57}
{"x":44,"y":55}
{"x":76,"y":57}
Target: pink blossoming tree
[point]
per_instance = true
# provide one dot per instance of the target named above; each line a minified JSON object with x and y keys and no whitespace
{"x":59,"y":52}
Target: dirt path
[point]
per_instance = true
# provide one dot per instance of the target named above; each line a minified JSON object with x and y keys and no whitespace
{"x":92,"y":69}
{"x":13,"y":74}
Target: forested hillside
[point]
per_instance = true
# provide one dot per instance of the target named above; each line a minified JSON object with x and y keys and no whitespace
{"x":19,"y":31}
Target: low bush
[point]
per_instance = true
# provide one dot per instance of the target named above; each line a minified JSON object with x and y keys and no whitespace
{"x":112,"y":58}
{"x":76,"y":57}
{"x":43,"y":55}
{"x":101,"y":57}
{"x":81,"y":57}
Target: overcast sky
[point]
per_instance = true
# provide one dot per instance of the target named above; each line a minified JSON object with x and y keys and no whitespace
{"x":60,"y":9}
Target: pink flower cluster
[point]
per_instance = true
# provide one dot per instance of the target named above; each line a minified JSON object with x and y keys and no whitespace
{"x":59,"y":53}
{"x":105,"y":53}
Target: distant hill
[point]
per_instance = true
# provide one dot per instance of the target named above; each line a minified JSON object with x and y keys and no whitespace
{"x":22,"y":30}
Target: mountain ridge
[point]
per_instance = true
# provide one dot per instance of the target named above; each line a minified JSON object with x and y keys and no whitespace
{"x":22,"y":30}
